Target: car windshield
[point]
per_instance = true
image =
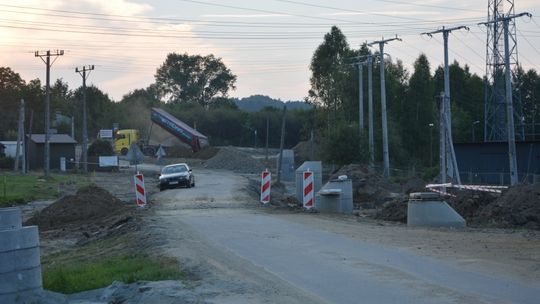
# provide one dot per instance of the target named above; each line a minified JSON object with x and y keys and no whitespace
{"x":174,"y":169}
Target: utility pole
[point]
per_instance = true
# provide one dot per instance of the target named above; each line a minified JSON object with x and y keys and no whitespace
{"x":47,"y":55}
{"x":361,"y":96}
{"x":20,"y":141}
{"x":386,"y":156}
{"x":370,"y":112}
{"x":510,"y":130}
{"x":267,"y":135}
{"x":452,"y":172}
{"x":281,"y":144}
{"x":442,"y":142}
{"x":82,"y":71}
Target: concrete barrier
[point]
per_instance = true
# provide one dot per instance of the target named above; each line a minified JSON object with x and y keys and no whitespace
{"x":428,"y":209}
{"x":20,"y":266}
{"x":336,"y":196}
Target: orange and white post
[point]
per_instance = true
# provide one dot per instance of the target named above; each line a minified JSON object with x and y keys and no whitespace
{"x":266,"y":179}
{"x":308,"y":189}
{"x":140,"y":192}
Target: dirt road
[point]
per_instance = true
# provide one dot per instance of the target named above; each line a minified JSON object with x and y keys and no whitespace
{"x":242,"y":253}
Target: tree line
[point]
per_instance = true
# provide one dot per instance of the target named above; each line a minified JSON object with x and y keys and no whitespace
{"x":195,"y":89}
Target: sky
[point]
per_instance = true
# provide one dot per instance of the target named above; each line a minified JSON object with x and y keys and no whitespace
{"x":267,"y":44}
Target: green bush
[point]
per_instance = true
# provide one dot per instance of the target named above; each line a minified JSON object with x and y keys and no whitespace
{"x":100,"y":147}
{"x":7,"y":162}
{"x":341,"y":144}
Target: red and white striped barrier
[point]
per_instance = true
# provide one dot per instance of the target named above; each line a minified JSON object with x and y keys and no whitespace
{"x":483,"y":188}
{"x":266,"y":178}
{"x":308,"y":189}
{"x":140,"y":192}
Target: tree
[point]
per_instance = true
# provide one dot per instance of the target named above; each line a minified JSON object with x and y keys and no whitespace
{"x":193,"y":78}
{"x":11,"y":91}
{"x":418,"y":111}
{"x":331,"y":71}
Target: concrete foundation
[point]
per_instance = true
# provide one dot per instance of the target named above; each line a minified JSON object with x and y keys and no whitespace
{"x":287,"y":165}
{"x":20,"y":266}
{"x":335,"y":197}
{"x":316,"y":168}
{"x":428,"y":209}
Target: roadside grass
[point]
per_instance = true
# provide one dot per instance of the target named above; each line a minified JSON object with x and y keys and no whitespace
{"x":76,"y":277}
{"x":100,"y":263}
{"x":17,"y":189}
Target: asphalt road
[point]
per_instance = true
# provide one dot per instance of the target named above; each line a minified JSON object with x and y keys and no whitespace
{"x":333,"y":267}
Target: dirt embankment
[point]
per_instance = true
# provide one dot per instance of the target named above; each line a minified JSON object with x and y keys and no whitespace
{"x":233,"y":159}
{"x":89,"y":214}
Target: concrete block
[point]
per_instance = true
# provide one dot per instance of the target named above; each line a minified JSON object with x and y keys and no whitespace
{"x":21,"y":280}
{"x":430,"y":211}
{"x":26,"y":237}
{"x":19,"y":259}
{"x":287,"y":165}
{"x":335,"y":196}
{"x":10,"y":218}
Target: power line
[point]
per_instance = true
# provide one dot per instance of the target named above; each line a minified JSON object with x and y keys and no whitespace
{"x":429,"y":5}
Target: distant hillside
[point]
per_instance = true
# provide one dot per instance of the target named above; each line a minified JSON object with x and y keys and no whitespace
{"x":255,"y":103}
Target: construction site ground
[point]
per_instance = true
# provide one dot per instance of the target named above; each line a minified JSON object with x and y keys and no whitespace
{"x":234,"y":250}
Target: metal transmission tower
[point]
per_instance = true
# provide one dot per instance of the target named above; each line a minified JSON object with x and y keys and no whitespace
{"x":446,"y":152}
{"x":82,"y":72}
{"x":508,"y":98}
{"x":386,"y":157}
{"x":48,"y":63}
{"x":495,"y":101}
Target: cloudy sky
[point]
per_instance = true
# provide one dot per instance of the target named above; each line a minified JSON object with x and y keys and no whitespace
{"x":267,"y":44}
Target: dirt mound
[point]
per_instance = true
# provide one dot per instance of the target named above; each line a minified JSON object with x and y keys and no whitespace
{"x":233,"y":159}
{"x":370,"y":189}
{"x":518,"y":207}
{"x":187,"y":152}
{"x":89,"y":204}
{"x":469,"y":204}
{"x":395,"y":211}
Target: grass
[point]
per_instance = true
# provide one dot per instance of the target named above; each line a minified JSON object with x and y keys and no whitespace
{"x":76,"y":277}
{"x":101,"y":262}
{"x":16,"y":189}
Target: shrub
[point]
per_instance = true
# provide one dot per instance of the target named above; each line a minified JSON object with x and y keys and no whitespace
{"x":100,"y":147}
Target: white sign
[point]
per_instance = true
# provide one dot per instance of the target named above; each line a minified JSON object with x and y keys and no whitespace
{"x":106,"y":133}
{"x":108,"y":161}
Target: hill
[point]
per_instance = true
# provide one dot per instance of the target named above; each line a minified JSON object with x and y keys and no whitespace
{"x":256,"y":103}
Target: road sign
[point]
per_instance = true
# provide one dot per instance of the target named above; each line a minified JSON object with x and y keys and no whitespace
{"x":140,"y":193}
{"x":135,"y":155}
{"x":106,"y":133}
{"x":266,"y":179}
{"x":308,"y":189}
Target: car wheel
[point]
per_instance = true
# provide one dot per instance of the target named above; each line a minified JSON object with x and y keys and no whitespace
{"x":161,"y":188}
{"x":124,"y":151}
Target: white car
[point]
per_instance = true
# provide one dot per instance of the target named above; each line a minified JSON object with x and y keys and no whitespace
{"x":176,"y":175}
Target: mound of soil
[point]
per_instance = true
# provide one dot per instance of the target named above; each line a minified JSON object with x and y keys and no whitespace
{"x":370,"y":189}
{"x":302,"y":151}
{"x":187,"y":152}
{"x":469,"y":204}
{"x":395,"y":211}
{"x":89,"y":204}
{"x":518,"y":207}
{"x":233,"y":159}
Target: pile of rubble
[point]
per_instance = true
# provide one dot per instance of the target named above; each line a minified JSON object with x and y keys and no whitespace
{"x":233,"y":159}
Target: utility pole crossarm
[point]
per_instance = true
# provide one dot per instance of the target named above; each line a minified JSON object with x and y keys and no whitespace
{"x":384,"y":41}
{"x":446,"y":30}
{"x":506,"y":18}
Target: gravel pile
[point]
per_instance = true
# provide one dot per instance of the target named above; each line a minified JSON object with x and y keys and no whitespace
{"x":233,"y":159}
